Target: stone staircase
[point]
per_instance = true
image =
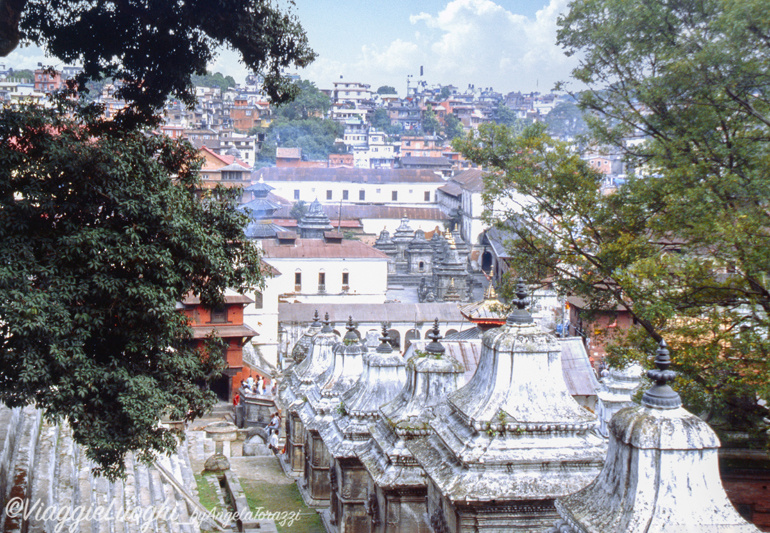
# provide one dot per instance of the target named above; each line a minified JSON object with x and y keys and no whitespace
{"x":40,"y":464}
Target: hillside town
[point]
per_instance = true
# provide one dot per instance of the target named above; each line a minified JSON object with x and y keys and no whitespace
{"x":378,"y":373}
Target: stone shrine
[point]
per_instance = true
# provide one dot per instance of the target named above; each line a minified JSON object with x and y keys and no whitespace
{"x":397,"y":484}
{"x":382,"y":379}
{"x":661,"y":472}
{"x":323,"y":402}
{"x":303,"y":377}
{"x":510,"y":441}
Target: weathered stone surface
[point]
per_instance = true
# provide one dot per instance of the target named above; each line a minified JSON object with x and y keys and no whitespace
{"x":511,"y":440}
{"x":217,"y":463}
{"x":256,"y":446}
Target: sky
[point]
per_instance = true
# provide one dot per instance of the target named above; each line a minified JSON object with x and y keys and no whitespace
{"x":509,"y":45}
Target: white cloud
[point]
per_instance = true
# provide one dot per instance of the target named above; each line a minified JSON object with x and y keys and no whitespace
{"x":470,"y":41}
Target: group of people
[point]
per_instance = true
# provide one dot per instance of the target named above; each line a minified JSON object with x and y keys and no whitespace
{"x":272,"y":431}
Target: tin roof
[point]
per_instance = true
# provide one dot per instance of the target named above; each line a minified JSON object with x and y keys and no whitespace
{"x":350,"y":175}
{"x":318,"y":248}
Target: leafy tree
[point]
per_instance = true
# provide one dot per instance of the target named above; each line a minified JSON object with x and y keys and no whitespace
{"x":155,"y":47}
{"x":102,"y":230}
{"x":102,"y":234}
{"x":505,"y":116}
{"x":445,"y":93}
{"x":24,"y":74}
{"x":308,"y":102}
{"x":430,"y":123}
{"x":298,"y":210}
{"x":315,"y":136}
{"x":386,"y":89}
{"x":213,"y":80}
{"x":566,"y":120}
{"x":684,"y":243}
{"x":379,"y":119}
{"x":453,"y":127}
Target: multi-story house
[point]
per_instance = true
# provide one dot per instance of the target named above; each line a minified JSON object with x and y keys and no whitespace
{"x":47,"y":81}
{"x":351,"y":92}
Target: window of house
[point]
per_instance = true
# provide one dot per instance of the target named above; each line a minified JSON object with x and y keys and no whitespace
{"x":328,"y":195}
{"x":379,"y":191}
{"x":258,"y":300}
{"x":321,"y":281}
{"x":345,"y":281}
{"x":296,"y":194}
{"x":298,"y":282}
{"x":362,"y":195}
{"x":344,"y":195}
{"x":427,"y":196}
{"x":394,"y":196}
{"x":219,"y":314}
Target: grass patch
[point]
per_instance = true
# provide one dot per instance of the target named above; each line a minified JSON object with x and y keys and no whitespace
{"x":206,"y":493}
{"x":282,"y":498}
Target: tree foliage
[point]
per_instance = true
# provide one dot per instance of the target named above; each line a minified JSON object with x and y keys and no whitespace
{"x":684,"y":244}
{"x":213,"y":80}
{"x":155,"y":47}
{"x":386,"y":89}
{"x":566,"y":121}
{"x":453,"y":127}
{"x":316,"y":137}
{"x":101,"y":235}
{"x":308,"y":102}
{"x":430,"y":123}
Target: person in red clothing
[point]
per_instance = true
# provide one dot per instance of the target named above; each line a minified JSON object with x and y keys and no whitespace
{"x":236,"y":399}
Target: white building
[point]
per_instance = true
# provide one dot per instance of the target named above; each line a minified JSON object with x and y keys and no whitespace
{"x":397,"y":187}
{"x":330,"y":270}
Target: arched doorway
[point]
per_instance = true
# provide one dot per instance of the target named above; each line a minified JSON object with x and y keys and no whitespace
{"x":395,"y":339}
{"x":486,"y":261}
{"x":411,"y":335}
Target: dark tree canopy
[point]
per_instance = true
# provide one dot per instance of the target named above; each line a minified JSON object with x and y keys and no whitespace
{"x":101,"y":235}
{"x":154,"y":47}
{"x":386,"y":89}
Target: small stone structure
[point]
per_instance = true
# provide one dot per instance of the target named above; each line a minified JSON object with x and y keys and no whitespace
{"x":298,"y":382}
{"x":438,"y":268}
{"x":322,"y":404}
{"x":511,"y":440}
{"x":617,"y":391}
{"x":382,"y":379}
{"x":397,"y":485}
{"x":661,"y":472}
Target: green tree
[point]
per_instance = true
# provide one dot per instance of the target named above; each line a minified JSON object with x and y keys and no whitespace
{"x":155,"y":47}
{"x":315,"y":136}
{"x":213,"y":80}
{"x":298,"y":210}
{"x":430,"y":123}
{"x":566,"y":120}
{"x":446,"y":92}
{"x":683,"y":245}
{"x":102,"y":230}
{"x":505,"y":116}
{"x":102,"y":234}
{"x":24,"y":74}
{"x":453,"y":127}
{"x":386,"y":89}
{"x":309,"y":102}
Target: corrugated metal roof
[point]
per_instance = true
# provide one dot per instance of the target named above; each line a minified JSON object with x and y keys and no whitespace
{"x":387,"y":312}
{"x":359,"y":211}
{"x":452,"y":189}
{"x":423,"y":160}
{"x":471,"y":179}
{"x":318,"y":248}
{"x":578,"y":373}
{"x":351,"y":175}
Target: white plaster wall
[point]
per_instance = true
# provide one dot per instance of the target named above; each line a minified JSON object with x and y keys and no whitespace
{"x":367,"y":279}
{"x":408,"y":193}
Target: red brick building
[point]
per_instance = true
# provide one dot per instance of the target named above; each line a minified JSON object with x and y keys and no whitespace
{"x":227,"y":323}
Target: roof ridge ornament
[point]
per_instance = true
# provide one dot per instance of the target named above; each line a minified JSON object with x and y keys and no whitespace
{"x":661,"y":395}
{"x":316,"y":320}
{"x":435,"y":347}
{"x":385,"y":346}
{"x":327,"y":324}
{"x":520,"y":315}
{"x":351,"y":334}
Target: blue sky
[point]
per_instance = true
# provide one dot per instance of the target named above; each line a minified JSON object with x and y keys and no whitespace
{"x":505,"y":44}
